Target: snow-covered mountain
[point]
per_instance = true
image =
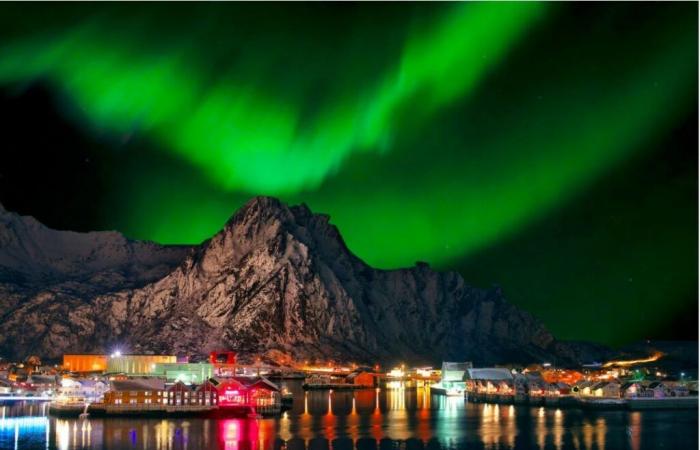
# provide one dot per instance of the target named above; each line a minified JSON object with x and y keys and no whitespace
{"x":33,"y":254}
{"x":277,"y":280}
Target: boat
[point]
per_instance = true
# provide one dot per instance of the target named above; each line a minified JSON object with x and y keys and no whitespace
{"x":449,"y":391}
{"x":69,"y":407}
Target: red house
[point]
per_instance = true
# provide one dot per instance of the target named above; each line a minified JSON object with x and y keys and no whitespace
{"x":207,"y":394}
{"x":179,"y":394}
{"x":230,"y":392}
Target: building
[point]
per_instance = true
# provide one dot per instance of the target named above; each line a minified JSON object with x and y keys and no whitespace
{"x":5,"y":386}
{"x":139,"y":391}
{"x":657,"y":389}
{"x":452,"y":378}
{"x":264,"y":394}
{"x":179,"y":394}
{"x":85,"y":363}
{"x":82,"y":389}
{"x":582,"y":388}
{"x":137,"y":364}
{"x":632,"y":389}
{"x":362,"y":378}
{"x":188,"y":373}
{"x":207,"y":394}
{"x":606,"y":389}
{"x":230,"y":391}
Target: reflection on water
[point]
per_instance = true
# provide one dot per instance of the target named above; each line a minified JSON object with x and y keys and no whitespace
{"x":400,"y":418}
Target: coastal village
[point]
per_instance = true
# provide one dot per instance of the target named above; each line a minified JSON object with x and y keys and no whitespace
{"x":164,"y":385}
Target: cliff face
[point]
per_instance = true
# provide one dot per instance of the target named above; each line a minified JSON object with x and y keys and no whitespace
{"x":276,"y":279}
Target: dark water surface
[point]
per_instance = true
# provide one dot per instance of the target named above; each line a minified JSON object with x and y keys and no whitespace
{"x":366,"y":420}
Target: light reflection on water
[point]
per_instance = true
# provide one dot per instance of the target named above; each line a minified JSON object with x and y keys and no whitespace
{"x":400,"y":419}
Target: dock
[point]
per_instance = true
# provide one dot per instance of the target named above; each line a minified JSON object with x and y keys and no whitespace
{"x":586,"y":402}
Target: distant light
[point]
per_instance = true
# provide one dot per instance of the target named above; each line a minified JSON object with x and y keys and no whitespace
{"x":546,"y":364}
{"x":116,"y":354}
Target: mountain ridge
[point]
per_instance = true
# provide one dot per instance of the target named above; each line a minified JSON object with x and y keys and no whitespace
{"x":277,"y":281}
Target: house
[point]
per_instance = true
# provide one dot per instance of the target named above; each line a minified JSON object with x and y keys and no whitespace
{"x":453,"y":374}
{"x":263,"y":393}
{"x":135,"y":391}
{"x":606,"y":389}
{"x":179,"y":394}
{"x":5,"y":386}
{"x":556,"y":389}
{"x":582,"y":388}
{"x":230,"y":391}
{"x":632,"y":389}
{"x":489,"y":380}
{"x":564,"y":388}
{"x":537,"y":388}
{"x":237,"y":392}
{"x":505,"y":387}
{"x":89,"y":390}
{"x":361,"y":378}
{"x":678,"y":390}
{"x":207,"y":394}
{"x":657,"y":389}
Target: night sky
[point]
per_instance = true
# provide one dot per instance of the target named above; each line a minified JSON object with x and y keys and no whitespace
{"x":551,"y":149}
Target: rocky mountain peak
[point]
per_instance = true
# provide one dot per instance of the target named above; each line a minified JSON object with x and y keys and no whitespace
{"x":276,"y":280}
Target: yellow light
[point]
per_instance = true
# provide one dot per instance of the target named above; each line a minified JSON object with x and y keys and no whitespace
{"x":631,"y":362}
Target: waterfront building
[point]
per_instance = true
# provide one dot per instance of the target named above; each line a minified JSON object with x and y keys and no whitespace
{"x":231,"y":392}
{"x":252,"y":391}
{"x":537,"y":388}
{"x":179,"y":394}
{"x":5,"y":386}
{"x":263,"y":394}
{"x":82,"y":389}
{"x":582,"y":388}
{"x":42,"y":382}
{"x":207,"y":394}
{"x":82,"y":363}
{"x":632,"y":389}
{"x":657,"y":389}
{"x":488,"y":379}
{"x":188,"y":373}
{"x":142,"y":391}
{"x":362,"y":378}
{"x":139,"y":365}
{"x":606,"y":389}
{"x":452,"y":381}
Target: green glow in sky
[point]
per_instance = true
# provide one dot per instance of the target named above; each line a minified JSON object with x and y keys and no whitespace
{"x":428,"y":133}
{"x":241,"y":136}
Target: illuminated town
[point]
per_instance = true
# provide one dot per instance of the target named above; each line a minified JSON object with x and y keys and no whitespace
{"x":164,"y":385}
{"x":360,"y":225}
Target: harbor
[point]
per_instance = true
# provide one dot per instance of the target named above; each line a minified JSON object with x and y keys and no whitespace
{"x":369,"y":419}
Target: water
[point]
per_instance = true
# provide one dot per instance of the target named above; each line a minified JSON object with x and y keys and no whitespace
{"x":365,"y":420}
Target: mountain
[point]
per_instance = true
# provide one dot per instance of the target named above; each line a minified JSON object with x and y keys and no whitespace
{"x":33,"y":254}
{"x":276,"y":281}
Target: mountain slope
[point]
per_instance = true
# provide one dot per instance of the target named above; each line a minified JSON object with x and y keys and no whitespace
{"x":32,"y":253}
{"x":280,"y":279}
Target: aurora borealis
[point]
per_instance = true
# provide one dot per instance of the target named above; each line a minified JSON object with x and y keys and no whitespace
{"x":542,"y":147}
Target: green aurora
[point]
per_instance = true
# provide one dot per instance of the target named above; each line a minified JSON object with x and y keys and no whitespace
{"x":440,"y":133}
